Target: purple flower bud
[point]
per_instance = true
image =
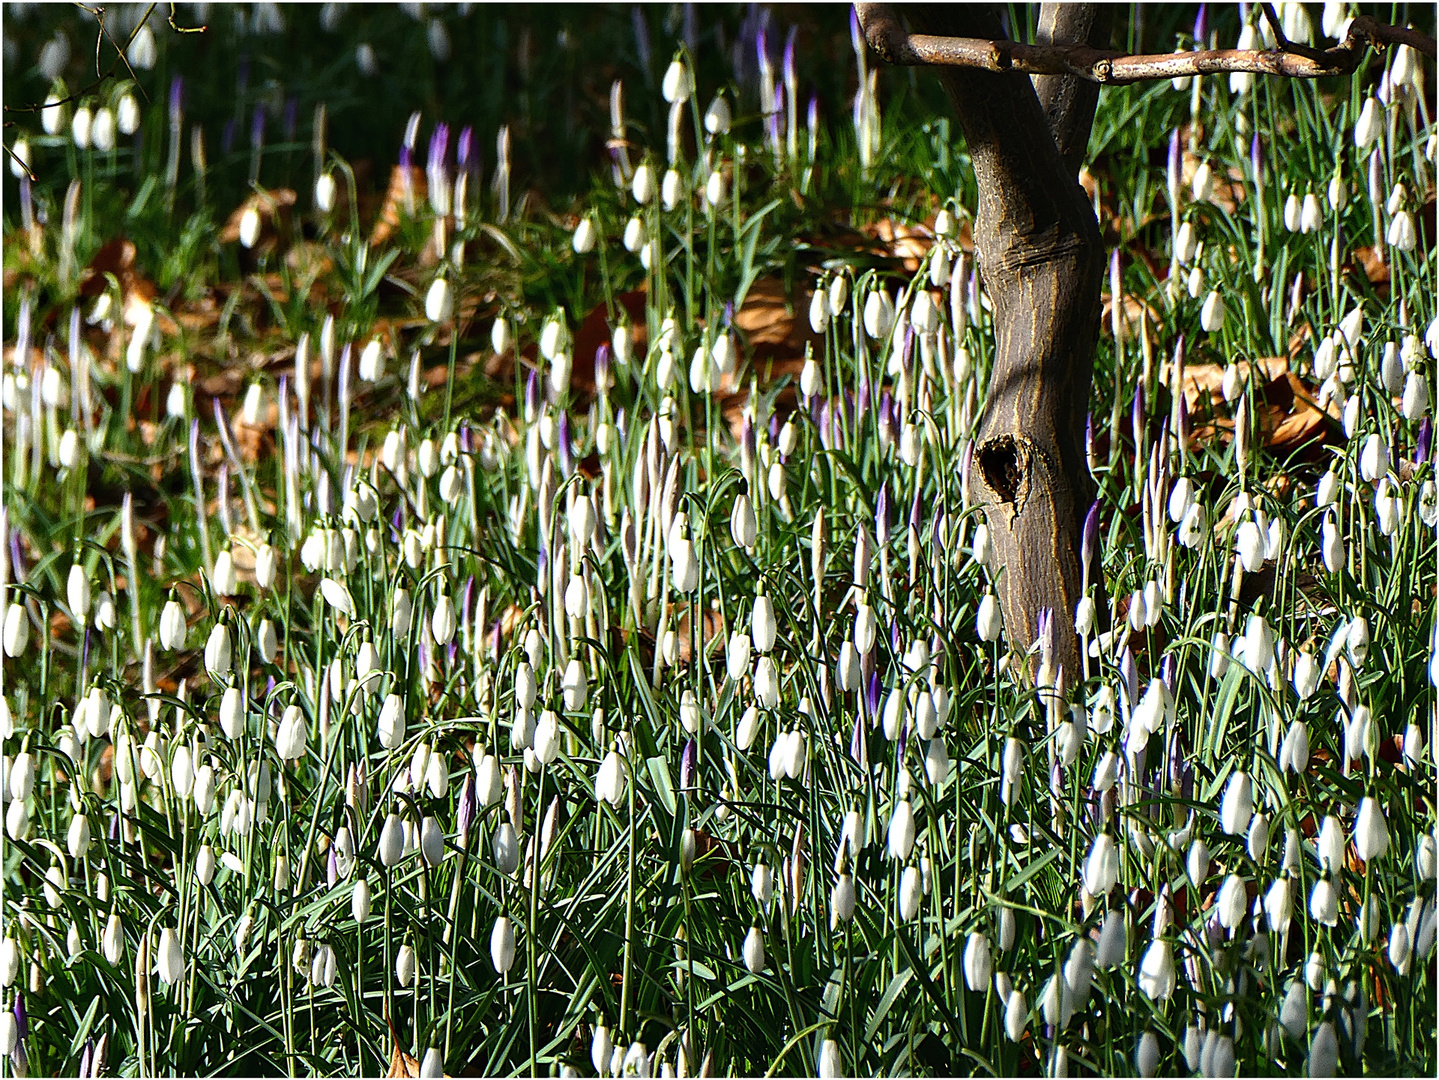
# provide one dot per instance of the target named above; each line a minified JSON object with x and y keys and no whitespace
{"x":642,"y":36}
{"x":22,"y":1023}
{"x":465,"y":815}
{"x":227,"y":136}
{"x":1201,"y":24}
{"x":906,"y":354}
{"x":464,"y":147}
{"x":1168,"y":671}
{"x":1186,"y":782}
{"x":894,"y":639}
{"x":915,"y":519}
{"x":1089,"y":541}
{"x":812,"y":117}
{"x":407,"y":156}
{"x":27,"y":205}
{"x":1137,"y":414}
{"x":1256,"y":158}
{"x":257,"y":128}
{"x":291,"y":117}
{"x":1056,"y":780}
{"x":532,"y":394}
{"x":602,"y":368}
{"x":761,"y":48}
{"x":856,"y":741}
{"x":1173,"y":165}
{"x":899,"y":744}
{"x":465,"y":437}
{"x":689,"y":765}
{"x":86,"y":1057}
{"x":242,"y":75}
{"x":774,"y":429}
{"x":332,"y":869}
{"x":1130,"y":674}
{"x":881,"y":510}
{"x":1424,"y":441}
{"x":542,"y":565}
{"x":728,"y":314}
{"x":495,"y":643}
{"x":563,"y":444}
{"x":861,"y":404}
{"x":790,"y":75}
{"x":439,"y":148}
{"x":872,"y":695}
{"x":452,"y":650}
{"x":115,"y":827}
{"x":397,"y":524}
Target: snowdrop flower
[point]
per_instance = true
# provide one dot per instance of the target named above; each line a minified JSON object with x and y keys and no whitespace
{"x":439,"y":303}
{"x":1202,"y":184}
{"x":1324,"y":902}
{"x":676,"y":85}
{"x":223,"y":578}
{"x":1146,"y":1055}
{"x":217,"y":652}
{"x":1186,"y":244}
{"x":1016,"y":1016}
{"x":502,"y":945}
{"x":977,"y":963}
{"x":1323,"y":1051}
{"x":291,"y":736}
{"x":753,"y":951}
{"x":1101,"y":867}
{"x":169,"y":957}
{"x":1371,"y":834}
{"x":715,"y":189}
{"x":989,"y":622}
{"x":901,"y":831}
{"x":1156,"y":971}
{"x":1401,"y":233}
{"x":878,"y":314}
{"x":1370,"y":123}
{"x":717,"y":116}
{"x":671,"y":189}
{"x":1311,"y":216}
{"x":1331,"y":545}
{"x":1211,"y":315}
{"x":830,"y":1064}
{"x":1414,"y":404}
{"x":1237,"y":805}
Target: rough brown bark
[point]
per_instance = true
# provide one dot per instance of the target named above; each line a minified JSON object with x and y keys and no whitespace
{"x":1040,"y":253}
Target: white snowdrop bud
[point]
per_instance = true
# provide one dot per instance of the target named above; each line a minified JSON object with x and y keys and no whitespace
{"x":643,"y":185}
{"x":574,"y":685}
{"x":405,"y":965}
{"x":671,"y":189}
{"x":392,"y":722}
{"x":977,"y":963}
{"x":989,"y":622}
{"x":169,"y":957}
{"x":1016,"y":1016}
{"x":717,"y":116}
{"x":392,"y":840}
{"x":878,"y":314}
{"x":325,"y":192}
{"x":1324,"y":903}
{"x":1101,"y":867}
{"x":444,"y":620}
{"x":715,"y":189}
{"x":217,"y":652}
{"x":432,"y":841}
{"x":1211,"y":315}
{"x":360,"y":900}
{"x":1237,"y":805}
{"x":1371,"y":833}
{"x":601,"y":1049}
{"x":439,"y":301}
{"x":675,"y":87}
{"x":753,"y":951}
{"x":1414,"y":403}
{"x":1370,"y":123}
{"x":762,"y":883}
{"x":901,"y":831}
{"x":762,"y":624}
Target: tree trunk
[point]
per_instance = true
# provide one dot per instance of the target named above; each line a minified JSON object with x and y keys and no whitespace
{"x":1042,"y":261}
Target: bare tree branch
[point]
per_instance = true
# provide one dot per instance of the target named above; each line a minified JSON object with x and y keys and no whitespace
{"x":883,"y":32}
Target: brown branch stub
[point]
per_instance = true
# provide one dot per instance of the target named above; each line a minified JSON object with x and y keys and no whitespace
{"x":894,"y":44}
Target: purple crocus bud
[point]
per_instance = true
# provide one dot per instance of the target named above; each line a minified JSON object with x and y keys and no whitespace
{"x":227,"y":135}
{"x":915,"y":519}
{"x":812,"y":116}
{"x":1424,"y":441}
{"x":1256,"y":159}
{"x":899,"y":745}
{"x":861,"y":404}
{"x":690,"y":30}
{"x":1173,"y":166}
{"x":562,"y":443}
{"x":495,"y":643}
{"x":894,"y":639}
{"x":467,"y":598}
{"x":856,"y":741}
{"x":1089,"y":539}
{"x":22,"y":1022}
{"x":1130,"y":674}
{"x":1168,"y":672}
{"x":464,"y":147}
{"x":761,"y":51}
{"x":466,"y":438}
{"x":602,"y":369}
{"x":291,"y":117}
{"x":856,"y":36}
{"x":242,"y":75}
{"x":115,"y":827}
{"x":542,"y":566}
{"x":728,"y":314}
{"x":27,"y":205}
{"x":689,"y":765}
{"x":465,"y":815}
{"x":1056,"y":780}
{"x":86,"y":1056}
{"x":1137,"y":413}
{"x":532,"y":395}
{"x":774,"y":429}
{"x":1201,"y":24}
{"x":332,"y":869}
{"x":881,"y":513}
{"x":1186,"y":781}
{"x":791,"y":75}
{"x":451,"y":650}
{"x":871,"y":696}
{"x":257,"y":128}
{"x":407,"y":156}
{"x":397,"y":523}
{"x":439,"y":147}
{"x":177,"y":99}
{"x":642,"y":36}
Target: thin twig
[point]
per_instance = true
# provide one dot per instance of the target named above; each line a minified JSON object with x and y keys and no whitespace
{"x":883,"y":32}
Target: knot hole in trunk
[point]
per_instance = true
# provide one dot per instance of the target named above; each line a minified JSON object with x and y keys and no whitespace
{"x":1004,"y":464}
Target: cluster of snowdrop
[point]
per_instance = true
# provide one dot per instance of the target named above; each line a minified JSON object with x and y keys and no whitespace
{"x":592,"y":665}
